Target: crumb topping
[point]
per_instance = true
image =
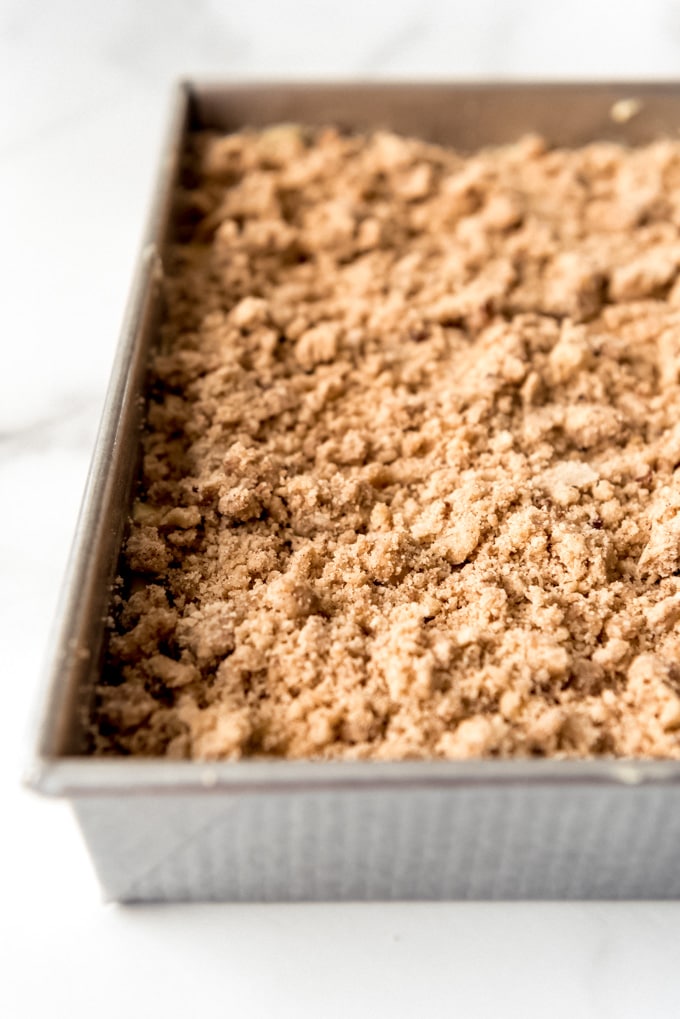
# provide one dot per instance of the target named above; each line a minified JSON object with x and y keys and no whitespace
{"x":410,"y":484}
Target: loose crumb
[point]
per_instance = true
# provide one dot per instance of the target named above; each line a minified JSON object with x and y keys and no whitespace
{"x":410,"y":484}
{"x":624,"y":110}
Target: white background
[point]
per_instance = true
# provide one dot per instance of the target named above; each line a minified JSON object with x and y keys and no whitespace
{"x":84,"y":92}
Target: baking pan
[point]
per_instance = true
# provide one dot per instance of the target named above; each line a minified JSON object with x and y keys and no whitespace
{"x":284,"y":830}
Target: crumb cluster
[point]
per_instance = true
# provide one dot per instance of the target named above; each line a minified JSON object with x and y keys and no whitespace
{"x":410,"y":485}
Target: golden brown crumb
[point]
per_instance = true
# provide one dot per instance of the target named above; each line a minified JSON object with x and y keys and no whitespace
{"x":410,"y":483}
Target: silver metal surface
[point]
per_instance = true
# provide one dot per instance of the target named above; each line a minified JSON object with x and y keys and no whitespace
{"x":313,"y":830}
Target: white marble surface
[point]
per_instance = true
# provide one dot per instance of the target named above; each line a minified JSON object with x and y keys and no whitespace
{"x":84,"y":89}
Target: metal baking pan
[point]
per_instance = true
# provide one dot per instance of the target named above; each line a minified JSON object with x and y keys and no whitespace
{"x":283,"y":830}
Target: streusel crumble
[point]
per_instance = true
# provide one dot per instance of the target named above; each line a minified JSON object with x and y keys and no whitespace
{"x":410,"y":484}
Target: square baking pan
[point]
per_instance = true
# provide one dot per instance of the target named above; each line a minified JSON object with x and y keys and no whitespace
{"x":291,"y":830}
